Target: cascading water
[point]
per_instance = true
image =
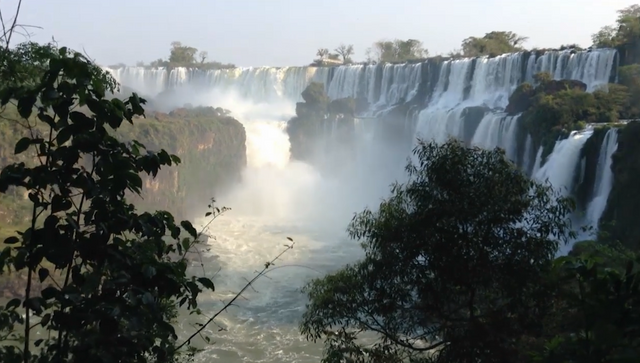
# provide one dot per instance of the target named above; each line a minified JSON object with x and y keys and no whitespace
{"x":604,"y":178}
{"x":279,"y":197}
{"x":561,"y":164}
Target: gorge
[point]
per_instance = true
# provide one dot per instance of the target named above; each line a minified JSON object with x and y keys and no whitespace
{"x":352,"y":155}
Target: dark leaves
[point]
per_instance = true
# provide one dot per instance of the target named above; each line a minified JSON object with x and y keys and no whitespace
{"x":22,"y":145}
{"x":43,"y":273}
{"x":189,"y":228}
{"x":207,"y":283}
{"x":11,"y":240}
{"x":25,"y":105}
{"x":13,"y":303}
{"x":103,"y":275}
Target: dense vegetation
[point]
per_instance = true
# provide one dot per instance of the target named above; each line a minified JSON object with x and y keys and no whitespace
{"x":476,"y":239}
{"x":553,"y":108}
{"x":184,"y":56}
{"x":113,"y":279}
{"x":210,"y":143}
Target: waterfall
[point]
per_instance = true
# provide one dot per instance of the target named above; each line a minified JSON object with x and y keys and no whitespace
{"x":604,"y":177}
{"x":279,"y":198}
{"x":440,"y":92}
{"x":483,"y":80}
{"x":498,"y":130}
{"x":561,"y":165}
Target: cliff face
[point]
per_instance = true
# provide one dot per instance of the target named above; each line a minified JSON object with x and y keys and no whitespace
{"x":210,"y":144}
{"x":619,"y":220}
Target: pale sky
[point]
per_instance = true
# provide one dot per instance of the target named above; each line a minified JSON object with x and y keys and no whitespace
{"x":288,"y":32}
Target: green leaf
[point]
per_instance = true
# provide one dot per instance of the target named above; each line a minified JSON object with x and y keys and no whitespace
{"x":11,"y":240}
{"x":22,"y":145}
{"x":38,"y":342}
{"x":175,"y":159}
{"x":43,"y":273}
{"x":189,"y":228}
{"x":207,"y":283}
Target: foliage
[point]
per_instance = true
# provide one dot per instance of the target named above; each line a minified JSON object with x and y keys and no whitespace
{"x":595,"y":309}
{"x":554,"y":108}
{"x":493,"y":44}
{"x":121,"y":273}
{"x":624,"y":35}
{"x":605,"y":37}
{"x":629,"y":77}
{"x":626,"y":30}
{"x":182,"y":55}
{"x":475,"y":238}
{"x":397,"y":51}
{"x":24,"y":64}
{"x":210,"y":144}
{"x":345,"y":51}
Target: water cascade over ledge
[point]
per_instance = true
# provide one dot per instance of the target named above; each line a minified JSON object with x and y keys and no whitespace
{"x":279,"y":197}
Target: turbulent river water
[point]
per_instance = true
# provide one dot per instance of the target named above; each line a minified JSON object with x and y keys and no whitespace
{"x":277,"y":198}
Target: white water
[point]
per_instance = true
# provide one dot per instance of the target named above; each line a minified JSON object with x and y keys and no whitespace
{"x":277,"y":198}
{"x":604,"y":178}
{"x":280,"y":198}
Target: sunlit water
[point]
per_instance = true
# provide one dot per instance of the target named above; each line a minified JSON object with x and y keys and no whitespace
{"x":278,"y":198}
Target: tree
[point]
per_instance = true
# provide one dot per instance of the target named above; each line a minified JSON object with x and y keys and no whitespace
{"x":203,"y":55}
{"x":493,"y":44}
{"x":626,"y":30}
{"x":322,"y":53}
{"x":24,"y":64}
{"x":474,"y":238}
{"x":410,"y":49}
{"x":111,"y":278}
{"x":628,"y":24}
{"x":594,"y":317}
{"x":397,"y":50}
{"x":605,"y":37}
{"x":182,"y":54}
{"x":345,"y":51}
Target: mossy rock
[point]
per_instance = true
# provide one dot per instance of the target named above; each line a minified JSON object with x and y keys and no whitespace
{"x":521,"y":99}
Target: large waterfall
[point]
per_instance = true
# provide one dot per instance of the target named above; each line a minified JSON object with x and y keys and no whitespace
{"x":279,"y":197}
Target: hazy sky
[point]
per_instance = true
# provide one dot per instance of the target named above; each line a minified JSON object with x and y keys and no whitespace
{"x":288,"y":32}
